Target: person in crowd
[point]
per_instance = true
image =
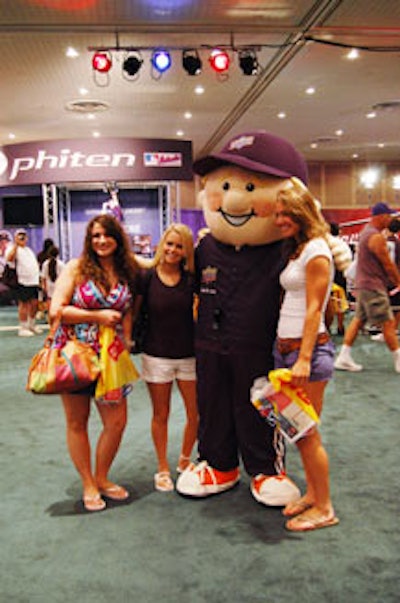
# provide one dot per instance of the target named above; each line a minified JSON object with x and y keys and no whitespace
{"x":44,"y":253}
{"x":42,"y":256}
{"x":169,"y":345}
{"x":51,"y":269}
{"x":393,"y":244}
{"x":6,"y":294}
{"x":338,"y":303}
{"x":93,"y":292}
{"x":5,"y":240}
{"x":351,"y":277}
{"x":20,"y":256}
{"x":374,"y":271}
{"x":302,"y":343}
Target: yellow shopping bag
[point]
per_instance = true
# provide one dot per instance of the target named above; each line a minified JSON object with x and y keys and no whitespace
{"x":118,"y":372}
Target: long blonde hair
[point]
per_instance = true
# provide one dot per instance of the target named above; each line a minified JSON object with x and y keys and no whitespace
{"x":304,"y":209}
{"x":188,"y":247}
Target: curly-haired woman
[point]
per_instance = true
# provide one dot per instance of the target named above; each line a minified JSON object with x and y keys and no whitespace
{"x":94,"y":292}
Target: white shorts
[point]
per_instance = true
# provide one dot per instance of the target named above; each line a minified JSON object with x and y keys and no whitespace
{"x":165,"y":370}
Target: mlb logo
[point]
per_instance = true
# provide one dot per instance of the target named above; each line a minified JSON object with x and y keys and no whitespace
{"x":162,"y":159}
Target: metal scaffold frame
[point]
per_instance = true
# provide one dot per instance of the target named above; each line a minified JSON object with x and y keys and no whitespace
{"x":65,"y":231}
{"x":57,"y":217}
{"x":57,"y":211}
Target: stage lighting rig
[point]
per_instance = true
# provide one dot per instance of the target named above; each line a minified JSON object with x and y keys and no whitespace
{"x":191,"y":62}
{"x":132,"y":65}
{"x":248,"y":62}
{"x":102,"y":62}
{"x":161,"y":61}
{"x":219,"y":60}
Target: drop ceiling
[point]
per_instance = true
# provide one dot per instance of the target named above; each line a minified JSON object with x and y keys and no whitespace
{"x":353,"y":114}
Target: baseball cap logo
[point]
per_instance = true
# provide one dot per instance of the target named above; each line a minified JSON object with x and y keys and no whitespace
{"x":239,"y":143}
{"x":3,"y":163}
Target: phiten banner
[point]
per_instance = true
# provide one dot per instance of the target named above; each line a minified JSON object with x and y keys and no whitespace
{"x":93,"y":160}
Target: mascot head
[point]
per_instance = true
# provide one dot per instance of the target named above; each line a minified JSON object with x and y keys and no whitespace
{"x":241,"y":185}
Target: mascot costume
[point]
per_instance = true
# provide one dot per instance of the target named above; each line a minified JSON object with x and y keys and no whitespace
{"x":238,"y":265}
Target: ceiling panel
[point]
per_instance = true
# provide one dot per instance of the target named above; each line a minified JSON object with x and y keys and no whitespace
{"x":299,"y":44}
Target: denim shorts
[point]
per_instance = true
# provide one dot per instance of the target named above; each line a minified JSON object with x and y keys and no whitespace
{"x":165,"y":370}
{"x":321,"y":361}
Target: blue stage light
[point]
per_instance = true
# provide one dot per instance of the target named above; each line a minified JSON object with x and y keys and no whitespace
{"x":161,"y":60}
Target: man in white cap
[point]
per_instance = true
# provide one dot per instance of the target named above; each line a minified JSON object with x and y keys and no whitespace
{"x":374,"y":271}
{"x":20,"y":256}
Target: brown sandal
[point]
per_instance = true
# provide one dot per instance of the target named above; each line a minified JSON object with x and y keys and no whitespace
{"x":296,"y":507}
{"x":306,"y":522}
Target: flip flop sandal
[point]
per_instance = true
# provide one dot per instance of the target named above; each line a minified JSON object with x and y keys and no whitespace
{"x":93,"y":503}
{"x":302,"y":523}
{"x":296,"y":507}
{"x":115,"y":492}
{"x":163,"y":482}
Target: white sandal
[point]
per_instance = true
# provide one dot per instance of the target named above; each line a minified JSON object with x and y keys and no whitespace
{"x":163,"y":482}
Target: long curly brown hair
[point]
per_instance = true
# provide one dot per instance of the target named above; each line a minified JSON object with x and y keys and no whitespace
{"x":125,"y":263}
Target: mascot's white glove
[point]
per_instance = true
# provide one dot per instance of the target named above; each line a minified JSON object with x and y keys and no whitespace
{"x":341,"y":252}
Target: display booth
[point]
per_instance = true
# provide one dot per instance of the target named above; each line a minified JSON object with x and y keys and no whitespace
{"x":53,"y":188}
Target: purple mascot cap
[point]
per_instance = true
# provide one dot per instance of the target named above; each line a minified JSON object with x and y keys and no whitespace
{"x":257,"y":151}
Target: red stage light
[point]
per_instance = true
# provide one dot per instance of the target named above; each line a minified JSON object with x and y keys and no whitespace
{"x":219,"y":60}
{"x":101,"y":62}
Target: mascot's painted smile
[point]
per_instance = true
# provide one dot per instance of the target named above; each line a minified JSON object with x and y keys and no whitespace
{"x":236,"y":220}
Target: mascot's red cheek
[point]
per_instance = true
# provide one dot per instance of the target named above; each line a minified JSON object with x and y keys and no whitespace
{"x":214,"y":201}
{"x":263,"y":208}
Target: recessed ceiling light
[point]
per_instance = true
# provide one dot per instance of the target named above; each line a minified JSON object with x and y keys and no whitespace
{"x":355,"y":155}
{"x":91,"y":116}
{"x":353,"y":54}
{"x":11,"y":136}
{"x":370,"y":115}
{"x":314,"y":145}
{"x":187,"y":115}
{"x":281,"y":115}
{"x":199,"y":90}
{"x":96,"y":134}
{"x":310,"y":90}
{"x":339,"y":132}
{"x":381,"y":145}
{"x":180,"y":133}
{"x":71,"y":53}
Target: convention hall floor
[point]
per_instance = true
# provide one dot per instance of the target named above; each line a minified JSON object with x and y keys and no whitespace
{"x":163,"y":547}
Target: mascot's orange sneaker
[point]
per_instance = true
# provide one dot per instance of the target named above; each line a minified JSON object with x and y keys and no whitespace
{"x":274,"y":490}
{"x":202,"y":480}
